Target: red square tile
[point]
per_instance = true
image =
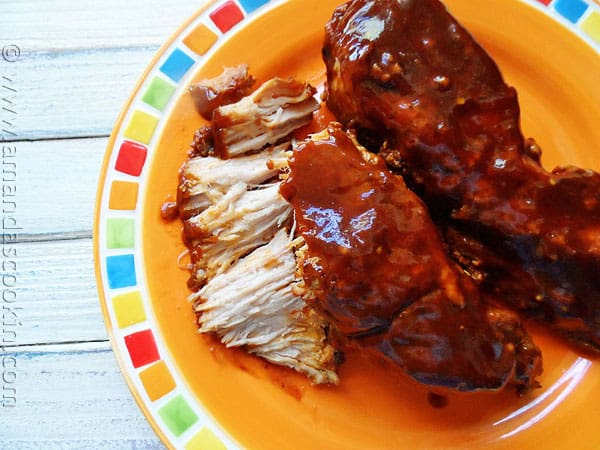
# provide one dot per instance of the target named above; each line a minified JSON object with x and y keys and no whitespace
{"x":226,"y":16}
{"x":131,"y":158}
{"x":142,"y":348}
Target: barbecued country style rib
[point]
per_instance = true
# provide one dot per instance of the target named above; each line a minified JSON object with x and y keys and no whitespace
{"x":236,"y":226}
{"x":374,"y":266}
{"x":406,"y":72}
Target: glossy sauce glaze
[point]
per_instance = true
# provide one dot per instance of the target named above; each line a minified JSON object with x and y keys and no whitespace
{"x":375,"y":267}
{"x":354,"y":214}
{"x":408,"y":73}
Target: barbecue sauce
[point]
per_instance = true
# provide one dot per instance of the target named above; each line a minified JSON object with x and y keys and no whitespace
{"x":354,"y":215}
{"x":410,"y":74}
{"x":375,"y":267}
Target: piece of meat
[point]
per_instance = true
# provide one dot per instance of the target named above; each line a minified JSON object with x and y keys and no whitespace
{"x":229,"y":87}
{"x":406,"y":72}
{"x":236,"y":226}
{"x":374,"y":266}
{"x":269,"y":114}
{"x":233,"y":226}
{"x":226,"y":209}
{"x":203,"y":143}
{"x":205,"y":179}
{"x":252,"y":305}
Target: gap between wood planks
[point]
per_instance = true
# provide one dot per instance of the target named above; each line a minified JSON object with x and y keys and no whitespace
{"x":16,"y":140}
{"x":100,"y":345}
{"x":47,"y":237}
{"x":54,"y":347}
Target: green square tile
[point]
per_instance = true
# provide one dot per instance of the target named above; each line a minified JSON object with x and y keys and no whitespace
{"x":120,"y":233}
{"x":141,"y":127}
{"x":178,"y":415}
{"x":158,"y":93}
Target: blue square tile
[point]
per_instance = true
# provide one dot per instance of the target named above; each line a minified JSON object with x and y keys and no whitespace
{"x":572,"y":10}
{"x":177,"y":65}
{"x":120,"y":271}
{"x":251,"y":5}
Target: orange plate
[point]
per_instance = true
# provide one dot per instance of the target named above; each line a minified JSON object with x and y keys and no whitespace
{"x":555,"y":68}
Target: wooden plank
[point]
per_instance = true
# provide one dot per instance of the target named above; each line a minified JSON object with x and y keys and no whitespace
{"x":79,"y":61}
{"x":70,"y":396}
{"x":70,"y":94}
{"x":67,"y":25}
{"x":55,"y":289}
{"x":55,"y":186}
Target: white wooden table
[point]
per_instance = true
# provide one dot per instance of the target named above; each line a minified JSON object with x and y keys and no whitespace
{"x":67,"y":68}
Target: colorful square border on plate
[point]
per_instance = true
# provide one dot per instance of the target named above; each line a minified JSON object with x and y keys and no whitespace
{"x":177,"y":416}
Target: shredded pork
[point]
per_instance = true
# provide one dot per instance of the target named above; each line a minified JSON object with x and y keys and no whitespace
{"x":204,"y":180}
{"x":237,"y":227}
{"x":252,"y":305}
{"x":271,"y":113}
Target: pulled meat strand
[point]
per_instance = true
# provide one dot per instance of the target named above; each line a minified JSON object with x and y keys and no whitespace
{"x":276,"y":109}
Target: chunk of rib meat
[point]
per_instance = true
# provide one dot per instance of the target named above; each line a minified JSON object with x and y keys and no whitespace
{"x":236,"y":227}
{"x":374,"y":266}
{"x":406,"y":72}
{"x":229,"y":87}
{"x":269,"y":114}
{"x":252,"y":305}
{"x":205,"y":179}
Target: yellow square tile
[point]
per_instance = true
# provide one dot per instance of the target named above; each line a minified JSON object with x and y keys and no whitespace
{"x":123,"y":195}
{"x":200,"y":40}
{"x":205,"y":440}
{"x":157,"y":380}
{"x":141,"y":127}
{"x":128,"y":309}
{"x":591,"y":26}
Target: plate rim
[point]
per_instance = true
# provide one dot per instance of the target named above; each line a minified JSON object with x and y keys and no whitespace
{"x":120,"y":356}
{"x":104,"y":298}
